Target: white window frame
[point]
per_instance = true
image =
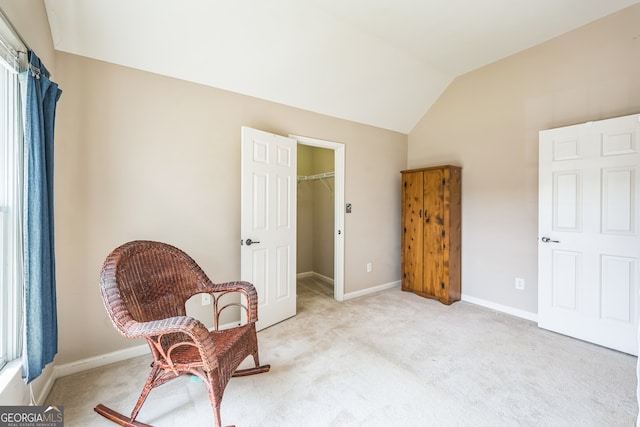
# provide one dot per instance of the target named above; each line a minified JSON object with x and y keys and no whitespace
{"x":11,"y":164}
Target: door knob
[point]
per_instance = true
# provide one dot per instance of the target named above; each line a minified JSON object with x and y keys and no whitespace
{"x":251,"y":242}
{"x":548,"y":240}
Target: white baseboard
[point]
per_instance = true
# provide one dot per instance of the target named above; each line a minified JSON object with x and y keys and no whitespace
{"x":100,"y":360}
{"x":502,"y":308}
{"x":372,"y":290}
{"x":323,"y":278}
{"x":46,"y":388}
{"x":316,"y":275}
{"x":350,"y":295}
{"x":305,"y":274}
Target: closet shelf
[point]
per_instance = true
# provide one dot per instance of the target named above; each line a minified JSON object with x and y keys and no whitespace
{"x":320,"y":176}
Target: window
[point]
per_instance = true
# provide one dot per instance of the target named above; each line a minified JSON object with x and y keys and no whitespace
{"x":10,"y":199}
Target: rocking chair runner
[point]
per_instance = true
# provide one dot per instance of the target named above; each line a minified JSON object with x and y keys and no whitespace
{"x":145,"y":286}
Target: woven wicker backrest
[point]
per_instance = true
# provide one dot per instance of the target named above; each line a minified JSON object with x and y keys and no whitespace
{"x":153,"y":280}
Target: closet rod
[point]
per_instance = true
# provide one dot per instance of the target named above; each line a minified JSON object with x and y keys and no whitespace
{"x":316,"y":176}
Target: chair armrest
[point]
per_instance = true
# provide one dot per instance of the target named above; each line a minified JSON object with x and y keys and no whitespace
{"x":153,"y":330}
{"x":185,"y":324}
{"x":245,"y":288}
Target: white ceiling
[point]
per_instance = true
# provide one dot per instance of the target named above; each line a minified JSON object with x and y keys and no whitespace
{"x":378,"y":62}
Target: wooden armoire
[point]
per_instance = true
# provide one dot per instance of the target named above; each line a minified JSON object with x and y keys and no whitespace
{"x":431,"y":232}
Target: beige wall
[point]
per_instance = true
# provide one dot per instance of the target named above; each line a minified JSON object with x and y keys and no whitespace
{"x":141,"y":156}
{"x":324,"y":213}
{"x":488,"y":121}
{"x":316,"y":215}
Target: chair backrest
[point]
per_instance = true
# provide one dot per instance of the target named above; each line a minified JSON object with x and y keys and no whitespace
{"x":149,"y":280}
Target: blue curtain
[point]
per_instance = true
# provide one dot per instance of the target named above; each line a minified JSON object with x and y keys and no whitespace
{"x":40,"y":337}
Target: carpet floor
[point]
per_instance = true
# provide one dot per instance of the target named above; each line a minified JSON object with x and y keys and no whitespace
{"x":386,"y":359}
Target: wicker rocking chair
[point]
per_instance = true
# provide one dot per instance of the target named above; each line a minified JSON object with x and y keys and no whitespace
{"x":145,"y":286}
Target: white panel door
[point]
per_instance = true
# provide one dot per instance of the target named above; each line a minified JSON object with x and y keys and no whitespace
{"x":589,"y":246}
{"x":268,"y":222}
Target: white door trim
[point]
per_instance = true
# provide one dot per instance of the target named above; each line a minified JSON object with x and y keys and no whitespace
{"x":338,"y":253}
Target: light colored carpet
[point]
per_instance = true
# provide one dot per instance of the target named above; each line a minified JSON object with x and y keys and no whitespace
{"x":386,"y":359}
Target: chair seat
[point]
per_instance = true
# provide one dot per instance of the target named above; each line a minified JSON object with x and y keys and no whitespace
{"x":232,"y":346}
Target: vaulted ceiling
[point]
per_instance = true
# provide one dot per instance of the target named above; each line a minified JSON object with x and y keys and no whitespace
{"x":377,"y":62}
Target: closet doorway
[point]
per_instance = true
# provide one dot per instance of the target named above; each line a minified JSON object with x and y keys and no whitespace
{"x":320,"y":215}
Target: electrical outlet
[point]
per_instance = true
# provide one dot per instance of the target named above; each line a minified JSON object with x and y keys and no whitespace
{"x":369,"y":267}
{"x":206,"y":299}
{"x":519,"y":284}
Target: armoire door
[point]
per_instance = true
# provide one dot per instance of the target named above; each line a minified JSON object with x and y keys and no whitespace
{"x":434,"y":274}
{"x":412,"y":231}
